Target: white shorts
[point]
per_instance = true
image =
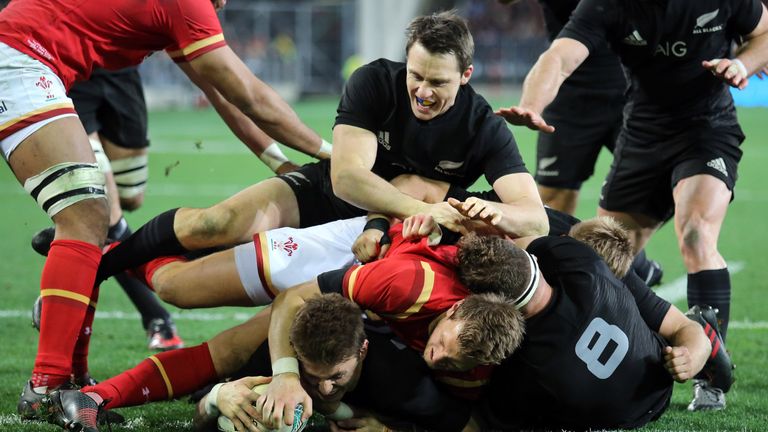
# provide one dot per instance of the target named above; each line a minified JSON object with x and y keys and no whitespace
{"x":284,"y":257}
{"x":31,"y":96}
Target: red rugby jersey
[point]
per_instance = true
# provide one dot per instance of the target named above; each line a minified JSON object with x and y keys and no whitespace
{"x":74,"y":36}
{"x":409,"y":289}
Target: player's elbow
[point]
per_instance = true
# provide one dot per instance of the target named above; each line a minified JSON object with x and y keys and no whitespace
{"x":343,"y":181}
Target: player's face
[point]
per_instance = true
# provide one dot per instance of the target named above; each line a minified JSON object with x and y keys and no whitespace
{"x":443,"y":351}
{"x":329,"y":383}
{"x":433,"y":81}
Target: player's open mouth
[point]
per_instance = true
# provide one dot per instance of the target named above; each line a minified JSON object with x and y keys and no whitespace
{"x":424,"y":103}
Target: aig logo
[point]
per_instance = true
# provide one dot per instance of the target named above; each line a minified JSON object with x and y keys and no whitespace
{"x":671,"y":49}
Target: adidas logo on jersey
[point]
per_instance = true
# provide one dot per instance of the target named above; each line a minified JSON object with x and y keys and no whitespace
{"x":706,"y":19}
{"x":635,"y":39}
{"x":718,"y":164}
{"x":383,"y":139}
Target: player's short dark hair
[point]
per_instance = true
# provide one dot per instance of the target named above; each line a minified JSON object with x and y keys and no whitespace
{"x":443,"y":33}
{"x":491,"y":264}
{"x":493,"y":328}
{"x":327,"y":330}
{"x":609,"y":239}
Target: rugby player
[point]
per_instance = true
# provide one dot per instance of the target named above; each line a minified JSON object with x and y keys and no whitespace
{"x":419,"y":117}
{"x":678,"y":150}
{"x":47,"y":148}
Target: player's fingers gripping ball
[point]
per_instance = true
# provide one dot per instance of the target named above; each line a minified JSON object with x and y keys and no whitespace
{"x":226,"y":425}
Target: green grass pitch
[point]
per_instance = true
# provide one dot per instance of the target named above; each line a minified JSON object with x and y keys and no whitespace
{"x":195,"y":161}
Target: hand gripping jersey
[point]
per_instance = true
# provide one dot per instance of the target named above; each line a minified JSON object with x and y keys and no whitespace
{"x":409,"y":288}
{"x":74,"y":36}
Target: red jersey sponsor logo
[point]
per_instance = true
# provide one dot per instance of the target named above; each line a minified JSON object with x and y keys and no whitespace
{"x":287,"y":246}
{"x":46,"y":86}
{"x":35,"y":45}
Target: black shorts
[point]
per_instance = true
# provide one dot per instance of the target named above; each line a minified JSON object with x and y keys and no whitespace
{"x":314,"y":194}
{"x":112,"y":104}
{"x":586,"y":120}
{"x":647,"y":166}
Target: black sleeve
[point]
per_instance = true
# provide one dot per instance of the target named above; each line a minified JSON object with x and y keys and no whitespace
{"x":364,"y":98}
{"x":504,"y":158}
{"x":332,"y":281}
{"x":589,"y":23}
{"x":652,"y":308}
{"x":563,"y":254}
{"x":746,"y":16}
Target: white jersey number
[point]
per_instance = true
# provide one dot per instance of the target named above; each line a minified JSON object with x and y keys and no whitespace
{"x":590,"y":352}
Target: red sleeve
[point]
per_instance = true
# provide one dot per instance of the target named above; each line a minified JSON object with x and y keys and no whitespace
{"x":195,"y":28}
{"x":390,"y":287}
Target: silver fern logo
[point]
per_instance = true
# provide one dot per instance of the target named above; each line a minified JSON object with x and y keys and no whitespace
{"x":706,"y":19}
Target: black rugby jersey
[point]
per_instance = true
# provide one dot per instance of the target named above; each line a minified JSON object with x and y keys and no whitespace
{"x":602,"y":69}
{"x":662,"y":43}
{"x":459,"y":146}
{"x":590,"y":359}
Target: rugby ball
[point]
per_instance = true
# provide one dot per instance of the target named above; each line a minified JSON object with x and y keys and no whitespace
{"x":226,"y":425}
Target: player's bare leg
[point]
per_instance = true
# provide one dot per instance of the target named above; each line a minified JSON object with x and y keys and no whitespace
{"x":564,"y":200}
{"x":701,"y":203}
{"x":209,"y":281}
{"x":268,"y":204}
{"x":61,"y":149}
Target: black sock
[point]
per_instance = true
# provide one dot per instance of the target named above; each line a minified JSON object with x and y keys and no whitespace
{"x":155,"y":239}
{"x":141,"y":296}
{"x":713,"y":288}
{"x":120,"y":230}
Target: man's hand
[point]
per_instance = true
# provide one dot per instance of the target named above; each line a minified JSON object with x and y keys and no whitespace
{"x":218,"y":4}
{"x":732,"y":71}
{"x":358,"y":424}
{"x":519,"y":116}
{"x":235,"y":401}
{"x":276,"y":406}
{"x":418,"y":226}
{"x":445,"y":215}
{"x":477,"y":209}
{"x":679,"y":363}
{"x":367,"y":247}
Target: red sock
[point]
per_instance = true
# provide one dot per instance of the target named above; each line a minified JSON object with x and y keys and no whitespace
{"x":164,"y":376}
{"x":80,"y":357}
{"x":66,"y":286}
{"x":145,"y":272}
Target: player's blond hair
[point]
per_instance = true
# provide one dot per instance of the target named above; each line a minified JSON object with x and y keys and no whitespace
{"x":609,"y":239}
{"x":493,"y":328}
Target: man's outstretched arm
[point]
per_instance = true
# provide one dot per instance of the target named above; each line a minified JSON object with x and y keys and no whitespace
{"x":543,"y":82}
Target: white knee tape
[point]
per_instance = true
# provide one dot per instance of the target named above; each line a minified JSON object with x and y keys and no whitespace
{"x":101,"y":157}
{"x":131,"y":175}
{"x":65,"y":184}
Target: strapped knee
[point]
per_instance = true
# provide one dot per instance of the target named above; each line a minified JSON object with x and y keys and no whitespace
{"x":65,"y":184}
{"x":131,"y":175}
{"x":101,"y":157}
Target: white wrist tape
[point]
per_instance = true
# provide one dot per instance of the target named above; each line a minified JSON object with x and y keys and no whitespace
{"x":211,"y":407}
{"x":285,"y":365}
{"x":273,"y":157}
{"x":740,"y":66}
{"x":326,"y":148}
{"x":343,"y":412}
